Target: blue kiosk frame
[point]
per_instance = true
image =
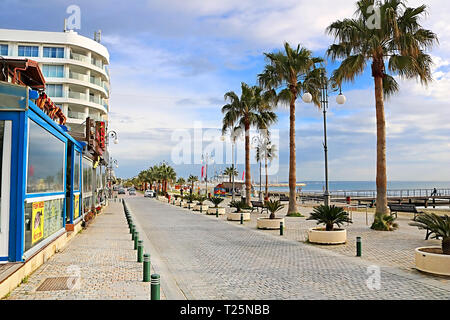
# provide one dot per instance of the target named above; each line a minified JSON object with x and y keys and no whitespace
{"x":17,"y":107}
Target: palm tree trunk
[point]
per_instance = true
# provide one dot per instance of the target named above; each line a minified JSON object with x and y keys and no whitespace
{"x":248,"y":183}
{"x":267,"y":180}
{"x":292,"y":159}
{"x":381,"y":202}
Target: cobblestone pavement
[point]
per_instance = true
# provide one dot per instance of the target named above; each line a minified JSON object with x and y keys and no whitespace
{"x":103,"y":255}
{"x":214,"y":259}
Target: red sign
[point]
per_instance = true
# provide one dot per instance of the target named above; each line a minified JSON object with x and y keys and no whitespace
{"x":100,"y":136}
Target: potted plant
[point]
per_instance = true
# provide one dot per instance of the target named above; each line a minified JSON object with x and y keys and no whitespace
{"x":216,"y":210}
{"x":328,"y":216}
{"x":272,"y":222}
{"x":240,"y":206}
{"x":190,"y":198}
{"x":200,"y":206}
{"x":434,"y":259}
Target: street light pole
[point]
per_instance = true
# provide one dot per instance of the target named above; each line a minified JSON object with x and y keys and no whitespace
{"x":324,"y":106}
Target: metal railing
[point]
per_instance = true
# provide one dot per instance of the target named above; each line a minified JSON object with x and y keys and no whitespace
{"x":79,"y":57}
{"x":390,"y":193}
{"x":76,"y":115}
{"x":77,"y":95}
{"x":77,"y":76}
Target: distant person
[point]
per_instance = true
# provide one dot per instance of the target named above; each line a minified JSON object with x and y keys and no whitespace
{"x":434,"y":193}
{"x":181,"y":191}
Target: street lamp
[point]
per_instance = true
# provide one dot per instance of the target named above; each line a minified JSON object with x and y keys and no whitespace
{"x":110,"y":168}
{"x":340,"y":99}
{"x":234,"y":135}
{"x":260,"y":141}
{"x":205,"y":157}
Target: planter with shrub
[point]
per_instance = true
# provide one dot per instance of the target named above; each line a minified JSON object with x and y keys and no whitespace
{"x":328,"y":216}
{"x":240,"y":207}
{"x":272,"y":222}
{"x":434,"y":259}
{"x":216,"y":209}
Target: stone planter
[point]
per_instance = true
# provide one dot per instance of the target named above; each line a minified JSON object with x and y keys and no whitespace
{"x":266,"y":223}
{"x":236,"y":216}
{"x":161,"y":198}
{"x":213,"y":210}
{"x":201,"y":208}
{"x":434,"y":263}
{"x":319,"y":235}
{"x":188,"y":205}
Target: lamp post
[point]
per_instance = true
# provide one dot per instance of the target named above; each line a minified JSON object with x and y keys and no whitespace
{"x":205,"y":157}
{"x":340,"y":99}
{"x":233,"y":136}
{"x":110,"y":168}
{"x":113,"y":135}
{"x":260,"y":142}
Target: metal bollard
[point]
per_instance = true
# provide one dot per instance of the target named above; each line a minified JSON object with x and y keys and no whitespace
{"x":217,"y":212}
{"x":358,"y":247}
{"x":155,"y":287}
{"x":242,"y":218}
{"x":281,"y":228}
{"x":132,"y":231}
{"x":136,"y":239}
{"x":140,"y":249}
{"x":146,"y":267}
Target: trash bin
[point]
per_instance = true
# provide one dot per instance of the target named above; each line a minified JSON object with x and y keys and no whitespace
{"x":348,"y":200}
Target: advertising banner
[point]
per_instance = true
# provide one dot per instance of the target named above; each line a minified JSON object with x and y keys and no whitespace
{"x":37,"y":221}
{"x":76,"y":206}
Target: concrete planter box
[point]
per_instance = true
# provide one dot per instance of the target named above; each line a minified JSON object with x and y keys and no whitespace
{"x":236,"y":216}
{"x":186,"y":205}
{"x":319,"y":235}
{"x":434,"y":263}
{"x":266,"y":223}
{"x":201,"y":208}
{"x":219,"y":210}
{"x":161,"y":198}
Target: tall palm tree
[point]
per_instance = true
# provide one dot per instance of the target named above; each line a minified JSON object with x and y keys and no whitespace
{"x":167,"y":174}
{"x":181,"y":181}
{"x":192,"y":179}
{"x":399,"y":43}
{"x":252,"y":108}
{"x":294,"y":70}
{"x":230,"y":172}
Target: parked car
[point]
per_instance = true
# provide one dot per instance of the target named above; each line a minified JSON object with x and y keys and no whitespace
{"x":121,"y":191}
{"x":149,"y":193}
{"x":132,"y":192}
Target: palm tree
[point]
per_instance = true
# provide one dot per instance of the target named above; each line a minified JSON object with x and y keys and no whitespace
{"x":401,"y":42}
{"x":268,"y":152}
{"x":252,"y":108}
{"x":181,"y":181}
{"x":192,"y":179}
{"x":295,"y":71}
{"x":230,"y":171}
{"x":168,"y":175}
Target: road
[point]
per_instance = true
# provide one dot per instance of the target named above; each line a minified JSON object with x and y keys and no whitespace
{"x":205,"y":258}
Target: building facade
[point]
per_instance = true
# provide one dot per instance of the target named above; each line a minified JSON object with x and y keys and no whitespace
{"x":74,"y":67}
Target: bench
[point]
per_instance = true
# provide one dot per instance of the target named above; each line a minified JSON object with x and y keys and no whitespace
{"x":257,"y":205}
{"x":284,"y":198}
{"x":394,"y":207}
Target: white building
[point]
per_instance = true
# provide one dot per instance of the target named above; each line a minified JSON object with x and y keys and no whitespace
{"x":74,"y":67}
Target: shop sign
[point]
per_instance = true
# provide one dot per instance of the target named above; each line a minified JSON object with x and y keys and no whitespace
{"x":37,"y":221}
{"x":76,"y":205}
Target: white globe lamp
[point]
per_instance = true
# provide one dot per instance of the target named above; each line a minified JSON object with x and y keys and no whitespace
{"x":307,"y":97}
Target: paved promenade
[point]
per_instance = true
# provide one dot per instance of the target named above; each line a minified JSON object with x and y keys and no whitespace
{"x":213,"y":259}
{"x":104,"y":258}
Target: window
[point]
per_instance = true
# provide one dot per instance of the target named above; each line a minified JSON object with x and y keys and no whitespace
{"x":54,"y":90}
{"x":3,"y":49}
{"x":28,"y":51}
{"x":76,"y":171}
{"x":53,"y":52}
{"x":87,"y":176}
{"x":46,"y":159}
{"x":53,"y":71}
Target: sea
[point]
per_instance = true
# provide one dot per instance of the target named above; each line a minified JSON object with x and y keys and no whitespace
{"x":319,"y":186}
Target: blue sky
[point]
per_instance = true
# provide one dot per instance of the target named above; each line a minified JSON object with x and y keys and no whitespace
{"x":172,"y":61}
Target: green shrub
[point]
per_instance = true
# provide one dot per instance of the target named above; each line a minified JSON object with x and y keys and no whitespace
{"x":273,"y":207}
{"x":216,"y":201}
{"x":329,"y":216}
{"x":439,"y":227}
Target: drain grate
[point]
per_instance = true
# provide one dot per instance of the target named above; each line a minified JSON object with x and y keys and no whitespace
{"x":58,"y":283}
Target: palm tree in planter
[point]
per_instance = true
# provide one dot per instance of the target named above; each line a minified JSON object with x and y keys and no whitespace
{"x":200,"y":207}
{"x":272,"y":222}
{"x":239,"y":205}
{"x":434,"y":259}
{"x":399,"y":43}
{"x":216,"y":210}
{"x":329,"y":216}
{"x":192,"y":179}
{"x":190,"y":198}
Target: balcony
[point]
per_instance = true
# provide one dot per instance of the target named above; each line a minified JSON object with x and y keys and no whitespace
{"x":96,"y":81}
{"x":77,"y":76}
{"x":79,"y":57}
{"x":76,"y":115}
{"x":77,"y":95}
{"x":95,"y":99}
